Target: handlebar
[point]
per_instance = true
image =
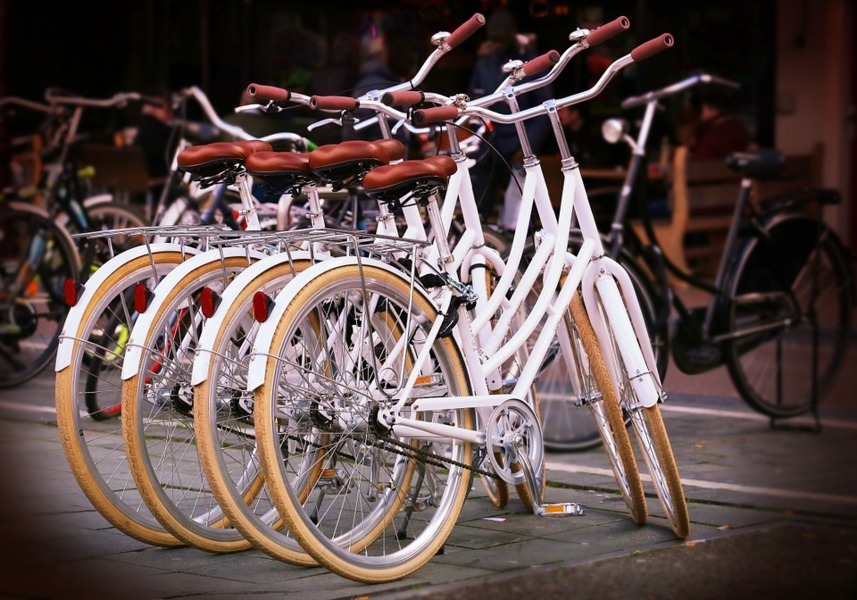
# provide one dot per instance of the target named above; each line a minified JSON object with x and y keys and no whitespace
{"x":16,"y":101}
{"x":652,"y":47}
{"x":540,"y":63}
{"x":445,"y":42}
{"x":277,"y":95}
{"x":405,"y":98}
{"x":438,"y":114}
{"x":54,"y":96}
{"x":679,"y":86}
{"x":581,"y":38}
{"x":601,"y":34}
{"x":641,"y":52}
{"x":232,"y":130}
{"x":465,"y":30}
{"x":333,"y":103}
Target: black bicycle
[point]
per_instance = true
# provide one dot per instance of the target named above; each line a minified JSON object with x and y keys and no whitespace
{"x":781,"y":300}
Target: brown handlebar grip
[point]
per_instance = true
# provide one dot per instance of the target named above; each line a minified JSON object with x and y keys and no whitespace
{"x":607,"y":31}
{"x":427,"y":116}
{"x":465,"y":30}
{"x":268,"y":92}
{"x":541,"y":63}
{"x":652,"y":47}
{"x":404,"y":98}
{"x":333,"y":102}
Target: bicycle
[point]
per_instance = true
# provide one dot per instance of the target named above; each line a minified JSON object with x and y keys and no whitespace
{"x":220,"y":357}
{"x":783,"y":289}
{"x":286,"y":172}
{"x":356,"y":350}
{"x":40,"y":252}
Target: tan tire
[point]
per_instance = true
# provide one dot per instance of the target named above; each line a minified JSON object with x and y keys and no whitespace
{"x":375,"y":485}
{"x":223,"y":432}
{"x":608,"y":415}
{"x":157,"y":421}
{"x":94,"y":448}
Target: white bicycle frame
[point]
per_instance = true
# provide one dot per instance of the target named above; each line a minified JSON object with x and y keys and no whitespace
{"x":607,"y":291}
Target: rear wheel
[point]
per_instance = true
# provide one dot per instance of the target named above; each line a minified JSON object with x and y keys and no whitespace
{"x":789,"y":308}
{"x":157,"y":417}
{"x":224,"y":425}
{"x":88,"y":395}
{"x":383,"y":505}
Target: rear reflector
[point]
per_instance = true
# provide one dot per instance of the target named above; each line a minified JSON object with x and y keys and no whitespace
{"x":262,"y":304}
{"x":209,"y":300}
{"x":73,"y":290}
{"x":142,"y":297}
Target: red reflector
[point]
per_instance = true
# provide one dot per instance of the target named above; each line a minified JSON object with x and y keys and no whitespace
{"x":142,"y":295}
{"x":209,"y":300}
{"x":72,"y":290}
{"x":242,"y":222}
{"x":262,"y":306}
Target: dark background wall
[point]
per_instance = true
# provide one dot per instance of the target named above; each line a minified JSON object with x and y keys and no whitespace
{"x":97,"y":48}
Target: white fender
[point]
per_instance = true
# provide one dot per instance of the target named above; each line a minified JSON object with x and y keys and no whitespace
{"x":265,"y":335}
{"x":208,"y":338}
{"x":75,"y":315}
{"x":134,"y":348}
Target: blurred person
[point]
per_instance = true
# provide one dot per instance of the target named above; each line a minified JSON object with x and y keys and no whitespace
{"x":388,"y":61}
{"x":491,"y":173}
{"x":718,"y":132}
{"x":339,"y":74}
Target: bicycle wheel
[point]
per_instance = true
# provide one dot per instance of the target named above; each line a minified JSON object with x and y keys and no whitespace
{"x":157,"y":413}
{"x":36,"y":258}
{"x":648,"y":427}
{"x":223,"y":419}
{"x":608,"y":416}
{"x":383,"y":505}
{"x":88,"y":394}
{"x":564,"y":428}
{"x":104,"y":216}
{"x":789,"y":310}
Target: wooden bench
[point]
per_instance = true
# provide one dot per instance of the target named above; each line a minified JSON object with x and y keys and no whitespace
{"x":702,"y":195}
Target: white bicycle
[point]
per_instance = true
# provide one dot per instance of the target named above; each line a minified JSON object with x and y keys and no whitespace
{"x":367,"y":379}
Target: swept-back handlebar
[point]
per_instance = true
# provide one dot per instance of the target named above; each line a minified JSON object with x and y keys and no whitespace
{"x":444,"y":113}
{"x":677,"y":87}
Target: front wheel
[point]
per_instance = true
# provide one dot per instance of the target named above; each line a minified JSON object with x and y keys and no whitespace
{"x":565,"y":427}
{"x":36,"y":257}
{"x":605,"y":408}
{"x":646,"y":422}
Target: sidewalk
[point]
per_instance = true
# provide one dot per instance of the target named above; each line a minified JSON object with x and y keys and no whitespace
{"x":773,"y":511}
{"x":57,"y":546}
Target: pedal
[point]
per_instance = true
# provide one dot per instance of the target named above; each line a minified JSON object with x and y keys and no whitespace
{"x":562,"y":509}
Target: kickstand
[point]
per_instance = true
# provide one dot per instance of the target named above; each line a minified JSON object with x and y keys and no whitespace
{"x":783,"y":424}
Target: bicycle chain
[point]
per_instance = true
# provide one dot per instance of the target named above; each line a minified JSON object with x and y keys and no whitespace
{"x":407,"y":450}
